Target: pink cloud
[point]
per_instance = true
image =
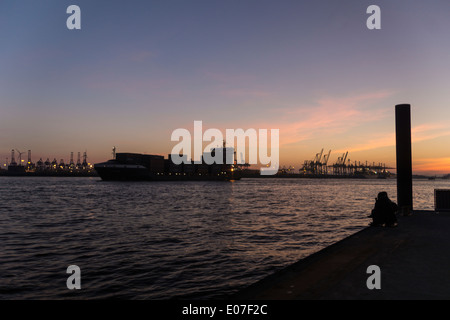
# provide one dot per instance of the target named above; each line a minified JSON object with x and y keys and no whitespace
{"x":422,"y":132}
{"x":331,"y":116}
{"x":429,"y":131}
{"x":374,"y":142}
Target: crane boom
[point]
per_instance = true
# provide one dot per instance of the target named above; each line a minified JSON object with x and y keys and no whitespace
{"x":320,"y":155}
{"x":327,"y":158}
{"x":343,"y":162}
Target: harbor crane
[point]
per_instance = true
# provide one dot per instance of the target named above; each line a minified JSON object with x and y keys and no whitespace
{"x":318,"y":165}
{"x":339,"y":167}
{"x":325,"y":163}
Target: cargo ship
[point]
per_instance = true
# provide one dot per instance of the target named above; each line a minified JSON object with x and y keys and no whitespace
{"x":147,"y":167}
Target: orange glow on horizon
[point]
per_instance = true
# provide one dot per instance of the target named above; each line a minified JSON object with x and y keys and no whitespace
{"x":437,"y":165}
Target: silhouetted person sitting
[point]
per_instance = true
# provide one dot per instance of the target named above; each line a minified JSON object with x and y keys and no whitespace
{"x":384,"y":212}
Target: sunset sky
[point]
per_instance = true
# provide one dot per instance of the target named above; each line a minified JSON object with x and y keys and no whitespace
{"x":137,"y":70}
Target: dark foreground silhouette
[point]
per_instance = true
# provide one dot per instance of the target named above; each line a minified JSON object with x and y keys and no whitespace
{"x":383,"y":214}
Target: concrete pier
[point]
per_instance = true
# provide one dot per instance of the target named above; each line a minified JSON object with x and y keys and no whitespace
{"x":414,"y":259}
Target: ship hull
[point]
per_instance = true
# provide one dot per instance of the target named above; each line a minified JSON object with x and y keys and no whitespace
{"x":122,"y":174}
{"x":141,"y":173}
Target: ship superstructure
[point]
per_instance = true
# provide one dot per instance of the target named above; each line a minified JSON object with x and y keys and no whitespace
{"x":147,"y":167}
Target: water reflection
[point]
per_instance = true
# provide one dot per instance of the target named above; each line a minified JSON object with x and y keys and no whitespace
{"x":165,"y":239}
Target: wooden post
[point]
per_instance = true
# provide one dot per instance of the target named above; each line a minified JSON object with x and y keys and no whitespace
{"x":404,"y":157}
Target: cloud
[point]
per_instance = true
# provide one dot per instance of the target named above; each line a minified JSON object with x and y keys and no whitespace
{"x":428,"y":131}
{"x":331,"y":116}
{"x":376,"y":141}
{"x":419,"y":133}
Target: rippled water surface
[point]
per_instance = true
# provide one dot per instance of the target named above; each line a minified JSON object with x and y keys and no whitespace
{"x":166,"y":240}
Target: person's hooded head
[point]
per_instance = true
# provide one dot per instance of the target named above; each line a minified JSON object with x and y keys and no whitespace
{"x":382,"y":195}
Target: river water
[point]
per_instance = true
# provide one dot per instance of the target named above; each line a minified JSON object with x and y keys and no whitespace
{"x":164,"y":240}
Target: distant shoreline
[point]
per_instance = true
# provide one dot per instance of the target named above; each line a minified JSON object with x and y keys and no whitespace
{"x":5,"y":173}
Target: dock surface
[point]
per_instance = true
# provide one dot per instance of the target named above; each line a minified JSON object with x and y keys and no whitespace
{"x":414,"y":262}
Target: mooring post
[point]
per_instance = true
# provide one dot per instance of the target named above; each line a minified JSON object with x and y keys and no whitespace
{"x":404,"y":157}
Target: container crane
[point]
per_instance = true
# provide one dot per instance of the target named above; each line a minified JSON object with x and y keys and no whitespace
{"x":325,"y":162}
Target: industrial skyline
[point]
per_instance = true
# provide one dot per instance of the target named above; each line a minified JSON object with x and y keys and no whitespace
{"x":135,"y":72}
